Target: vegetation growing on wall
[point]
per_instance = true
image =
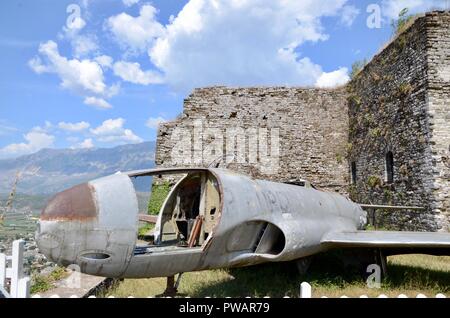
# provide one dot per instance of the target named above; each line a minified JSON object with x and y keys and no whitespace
{"x":403,"y":22}
{"x":404,"y":89}
{"x":354,"y":100}
{"x":357,"y":67}
{"x":158,"y":195}
{"x":374,"y":182}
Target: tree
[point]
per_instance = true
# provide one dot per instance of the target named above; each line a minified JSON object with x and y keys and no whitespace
{"x":11,"y":197}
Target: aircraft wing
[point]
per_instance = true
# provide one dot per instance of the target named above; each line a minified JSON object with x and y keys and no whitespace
{"x":391,"y":242}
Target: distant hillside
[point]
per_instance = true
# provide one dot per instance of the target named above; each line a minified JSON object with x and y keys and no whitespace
{"x":58,"y":169}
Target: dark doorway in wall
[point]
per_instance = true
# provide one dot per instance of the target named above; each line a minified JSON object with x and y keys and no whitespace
{"x":353,"y":172}
{"x":390,"y":167}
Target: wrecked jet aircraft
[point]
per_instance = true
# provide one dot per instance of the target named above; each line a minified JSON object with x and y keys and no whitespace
{"x":212,"y":218}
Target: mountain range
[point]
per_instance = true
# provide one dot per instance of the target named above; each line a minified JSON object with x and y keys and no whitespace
{"x":52,"y":170}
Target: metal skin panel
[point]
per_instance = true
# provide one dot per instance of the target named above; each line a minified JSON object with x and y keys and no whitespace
{"x":295,"y":210}
{"x":101,"y":245}
{"x":304,"y":215}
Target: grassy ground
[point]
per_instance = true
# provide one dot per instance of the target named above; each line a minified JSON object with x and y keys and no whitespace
{"x":41,"y":283}
{"x":408,"y":275}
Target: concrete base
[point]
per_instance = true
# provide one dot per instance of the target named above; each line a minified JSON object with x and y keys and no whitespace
{"x":76,"y":285}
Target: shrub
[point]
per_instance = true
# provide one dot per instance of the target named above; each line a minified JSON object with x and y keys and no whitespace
{"x":403,"y":22}
{"x":357,"y":67}
{"x":374,"y":182}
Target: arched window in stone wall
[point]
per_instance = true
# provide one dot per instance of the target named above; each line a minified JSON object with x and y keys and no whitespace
{"x":353,"y":172}
{"x":389,"y":167}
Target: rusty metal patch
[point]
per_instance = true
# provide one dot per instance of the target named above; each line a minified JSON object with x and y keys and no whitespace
{"x":74,"y":204}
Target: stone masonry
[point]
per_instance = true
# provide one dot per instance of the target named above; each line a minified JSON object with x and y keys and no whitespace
{"x":398,"y":105}
{"x":311,"y":125}
{"x":438,"y":60}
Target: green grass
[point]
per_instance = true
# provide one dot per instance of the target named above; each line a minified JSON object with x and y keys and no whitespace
{"x":158,"y":195}
{"x":144,"y":229}
{"x":41,"y":283}
{"x":409,"y":275}
{"x":58,"y":273}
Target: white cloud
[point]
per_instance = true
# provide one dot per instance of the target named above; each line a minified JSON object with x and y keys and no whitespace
{"x":45,"y":129}
{"x":110,"y":126}
{"x":333,"y":79}
{"x":112,"y":131}
{"x":392,"y":8}
{"x":83,"y":45}
{"x":85,"y":4}
{"x":97,"y":102}
{"x":129,"y":3}
{"x":104,"y":61}
{"x":74,"y":127}
{"x":153,"y":122}
{"x":6,"y":129}
{"x":240,"y":42}
{"x":81,"y":76}
{"x":349,"y":14}
{"x":36,"y":65}
{"x":84,"y":77}
{"x":75,"y":25}
{"x":135,"y":34}
{"x":86,"y":144}
{"x":131,"y":72}
{"x":35,"y":141}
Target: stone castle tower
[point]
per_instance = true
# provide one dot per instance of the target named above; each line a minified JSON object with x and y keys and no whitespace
{"x":382,"y":139}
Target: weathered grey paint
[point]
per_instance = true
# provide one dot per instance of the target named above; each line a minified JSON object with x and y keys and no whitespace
{"x":310,"y":220}
{"x":102,"y":245}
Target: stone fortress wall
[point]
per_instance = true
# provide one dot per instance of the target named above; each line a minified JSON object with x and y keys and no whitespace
{"x":339,"y":139}
{"x":399,"y":103}
{"x":310,"y":124}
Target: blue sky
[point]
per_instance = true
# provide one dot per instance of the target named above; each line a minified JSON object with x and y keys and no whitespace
{"x":99,"y":73}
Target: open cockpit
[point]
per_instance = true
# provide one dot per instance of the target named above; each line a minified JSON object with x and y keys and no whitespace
{"x":188,"y":215}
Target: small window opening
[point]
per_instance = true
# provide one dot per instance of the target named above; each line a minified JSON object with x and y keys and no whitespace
{"x":390,"y":167}
{"x":353,"y":172}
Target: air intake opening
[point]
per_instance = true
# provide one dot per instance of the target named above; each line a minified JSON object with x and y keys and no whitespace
{"x":95,"y":256}
{"x":272,"y":240}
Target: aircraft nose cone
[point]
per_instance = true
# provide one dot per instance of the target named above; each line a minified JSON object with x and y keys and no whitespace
{"x":73,"y":205}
